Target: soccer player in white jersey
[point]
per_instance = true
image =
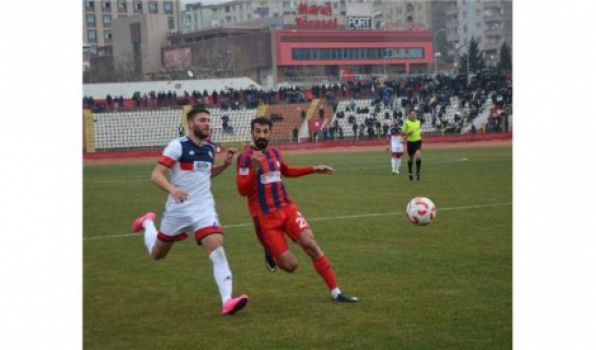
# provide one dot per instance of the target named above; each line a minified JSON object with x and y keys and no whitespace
{"x":190,"y":206}
{"x":396,"y":147}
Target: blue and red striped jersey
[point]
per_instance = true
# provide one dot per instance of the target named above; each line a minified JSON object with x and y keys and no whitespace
{"x":265,"y":190}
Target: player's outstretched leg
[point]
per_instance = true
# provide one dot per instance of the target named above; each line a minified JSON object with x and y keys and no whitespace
{"x":146,"y":221}
{"x":323,"y":266}
{"x":221,"y":273}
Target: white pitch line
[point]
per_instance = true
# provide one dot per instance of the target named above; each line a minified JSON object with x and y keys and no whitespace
{"x":329,"y":218}
{"x":452,"y":161}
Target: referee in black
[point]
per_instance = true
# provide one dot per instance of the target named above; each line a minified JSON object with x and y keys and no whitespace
{"x":413,"y":133}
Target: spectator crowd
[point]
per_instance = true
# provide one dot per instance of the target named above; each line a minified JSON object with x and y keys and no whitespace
{"x":429,"y":95}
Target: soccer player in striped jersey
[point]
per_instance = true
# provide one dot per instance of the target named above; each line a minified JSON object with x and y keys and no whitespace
{"x":259,"y":179}
{"x":190,"y":206}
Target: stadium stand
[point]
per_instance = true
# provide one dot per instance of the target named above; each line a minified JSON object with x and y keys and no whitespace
{"x":286,"y":118}
{"x":363,"y":109}
{"x":136,"y":129}
{"x":231,"y":125}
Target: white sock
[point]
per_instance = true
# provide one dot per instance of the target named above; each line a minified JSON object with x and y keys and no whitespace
{"x":335,"y":292}
{"x":222,"y":273}
{"x":393,"y":164}
{"x":150,"y":234}
{"x":397,"y":163}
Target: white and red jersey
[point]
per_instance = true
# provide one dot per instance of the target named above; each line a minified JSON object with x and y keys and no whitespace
{"x":397,"y":142}
{"x":190,"y":169}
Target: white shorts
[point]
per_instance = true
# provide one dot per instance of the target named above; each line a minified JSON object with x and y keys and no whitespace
{"x":175,"y":225}
{"x":397,"y":149}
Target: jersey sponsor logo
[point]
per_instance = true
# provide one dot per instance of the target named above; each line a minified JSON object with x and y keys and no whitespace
{"x":243,"y":171}
{"x":192,"y":153}
{"x":202,"y":166}
{"x":270,"y":177}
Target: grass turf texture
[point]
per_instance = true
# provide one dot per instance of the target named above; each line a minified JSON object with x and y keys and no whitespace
{"x":444,"y":286}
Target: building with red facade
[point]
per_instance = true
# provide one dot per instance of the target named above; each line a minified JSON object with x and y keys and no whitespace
{"x":345,"y":53}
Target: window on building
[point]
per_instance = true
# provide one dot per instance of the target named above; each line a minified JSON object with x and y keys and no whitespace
{"x":122,"y":7}
{"x":249,"y":16}
{"x":409,"y":7}
{"x":168,"y":7}
{"x":356,"y":53}
{"x":171,"y":23}
{"x":478,"y":12}
{"x":152,"y":6}
{"x":465,"y":29}
{"x":107,"y":36}
{"x":106,"y":5}
{"x":137,"y":6}
{"x":227,"y":8}
{"x":89,"y":5}
{"x":90,"y":20}
{"x":92,"y":36}
{"x":107,"y":20}
{"x":478,"y":25}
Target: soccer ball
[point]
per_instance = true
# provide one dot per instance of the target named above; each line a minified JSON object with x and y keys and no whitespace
{"x":421,"y":211}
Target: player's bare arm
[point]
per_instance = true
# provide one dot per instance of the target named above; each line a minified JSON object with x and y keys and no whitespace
{"x":160,"y":179}
{"x":229,"y":158}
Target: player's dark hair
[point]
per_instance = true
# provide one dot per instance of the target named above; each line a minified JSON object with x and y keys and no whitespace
{"x":196,"y":111}
{"x":260,"y":120}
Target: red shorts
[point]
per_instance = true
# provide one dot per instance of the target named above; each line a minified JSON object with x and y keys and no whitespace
{"x":397,"y":154}
{"x":271,"y":228}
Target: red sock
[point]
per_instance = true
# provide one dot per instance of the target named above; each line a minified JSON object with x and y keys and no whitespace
{"x":324,"y":269}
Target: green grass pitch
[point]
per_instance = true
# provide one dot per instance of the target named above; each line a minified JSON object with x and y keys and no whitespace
{"x":444,"y":286}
